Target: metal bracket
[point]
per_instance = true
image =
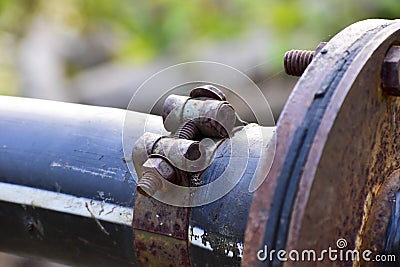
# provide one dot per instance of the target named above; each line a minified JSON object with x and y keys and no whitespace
{"x":158,"y":159}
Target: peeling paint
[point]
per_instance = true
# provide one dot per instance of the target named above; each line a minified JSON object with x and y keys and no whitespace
{"x":64,"y":203}
{"x":96,"y":172}
{"x":212,"y":242}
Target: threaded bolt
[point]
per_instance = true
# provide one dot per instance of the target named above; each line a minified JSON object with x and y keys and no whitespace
{"x":149,"y":184}
{"x":188,"y":130}
{"x":296,"y":61}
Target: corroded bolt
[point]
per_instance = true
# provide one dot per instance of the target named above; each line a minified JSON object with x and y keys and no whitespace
{"x":212,"y":116}
{"x":154,"y":171}
{"x":391,"y":71}
{"x":296,"y":61}
{"x":188,"y":130}
{"x":149,"y":184}
{"x":209,"y":91}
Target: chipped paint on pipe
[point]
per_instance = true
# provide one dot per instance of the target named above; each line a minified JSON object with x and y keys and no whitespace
{"x":64,"y":183}
{"x":74,"y":153}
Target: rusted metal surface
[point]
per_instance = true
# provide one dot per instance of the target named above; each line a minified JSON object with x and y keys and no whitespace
{"x":296,"y":61}
{"x":220,"y":243}
{"x":209,"y":91}
{"x":391,"y":71}
{"x":149,"y":184}
{"x":161,"y":230}
{"x":291,"y":118}
{"x":188,"y":130}
{"x":260,"y":207}
{"x":172,"y":148}
{"x":153,"y":154}
{"x":214,"y":118}
{"x":365,"y":141}
{"x":160,"y":250}
{"x":161,"y":233}
{"x":336,"y":144}
{"x":143,"y":148}
{"x":159,"y":158}
{"x":155,"y":171}
{"x":177,"y":148}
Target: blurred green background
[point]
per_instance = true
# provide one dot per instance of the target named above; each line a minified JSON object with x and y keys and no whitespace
{"x":99,"y":51}
{"x":91,"y":50}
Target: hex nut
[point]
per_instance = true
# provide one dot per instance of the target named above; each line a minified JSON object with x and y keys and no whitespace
{"x":391,"y":71}
{"x":160,"y":167}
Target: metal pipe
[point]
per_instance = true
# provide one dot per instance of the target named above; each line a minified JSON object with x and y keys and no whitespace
{"x":65,"y":191}
{"x":67,"y":194}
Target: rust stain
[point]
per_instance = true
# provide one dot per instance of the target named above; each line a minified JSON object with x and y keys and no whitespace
{"x":160,"y":233}
{"x":160,"y":250}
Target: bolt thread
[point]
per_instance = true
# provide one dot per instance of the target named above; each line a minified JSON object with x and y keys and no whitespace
{"x":149,"y":184}
{"x":296,"y":61}
{"x":187,"y":131}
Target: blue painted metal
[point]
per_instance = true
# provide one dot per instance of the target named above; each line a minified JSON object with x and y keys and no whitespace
{"x":72,"y":149}
{"x":78,"y":150}
{"x":68,"y":148}
{"x":224,"y":221}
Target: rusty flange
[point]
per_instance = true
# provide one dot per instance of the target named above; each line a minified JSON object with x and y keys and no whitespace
{"x":336,"y":145}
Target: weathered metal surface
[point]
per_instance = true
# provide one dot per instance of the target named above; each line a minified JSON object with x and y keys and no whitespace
{"x":217,"y":229}
{"x":214,"y":118}
{"x":64,"y":238}
{"x":143,"y":148}
{"x":178,"y":151}
{"x":78,"y":155}
{"x":209,"y":91}
{"x":160,"y":250}
{"x":158,"y":159}
{"x":367,"y":143}
{"x":161,"y":167}
{"x":291,"y":118}
{"x":64,"y":163}
{"x":336,"y":143}
{"x":188,"y":130}
{"x":153,"y":154}
{"x":161,"y":233}
{"x":160,"y":229}
{"x":155,"y":172}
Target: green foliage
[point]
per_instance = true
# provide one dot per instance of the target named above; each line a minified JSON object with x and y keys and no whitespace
{"x":154,"y":27}
{"x":146,"y":29}
{"x":158,"y":25}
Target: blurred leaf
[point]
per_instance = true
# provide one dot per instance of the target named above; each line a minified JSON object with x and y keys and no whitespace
{"x":147,"y":29}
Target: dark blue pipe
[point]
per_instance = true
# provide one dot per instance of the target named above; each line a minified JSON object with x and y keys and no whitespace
{"x":77,"y":150}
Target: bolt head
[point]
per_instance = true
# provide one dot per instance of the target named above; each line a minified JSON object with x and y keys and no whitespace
{"x":391,"y":71}
{"x":160,"y":167}
{"x":209,"y":91}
